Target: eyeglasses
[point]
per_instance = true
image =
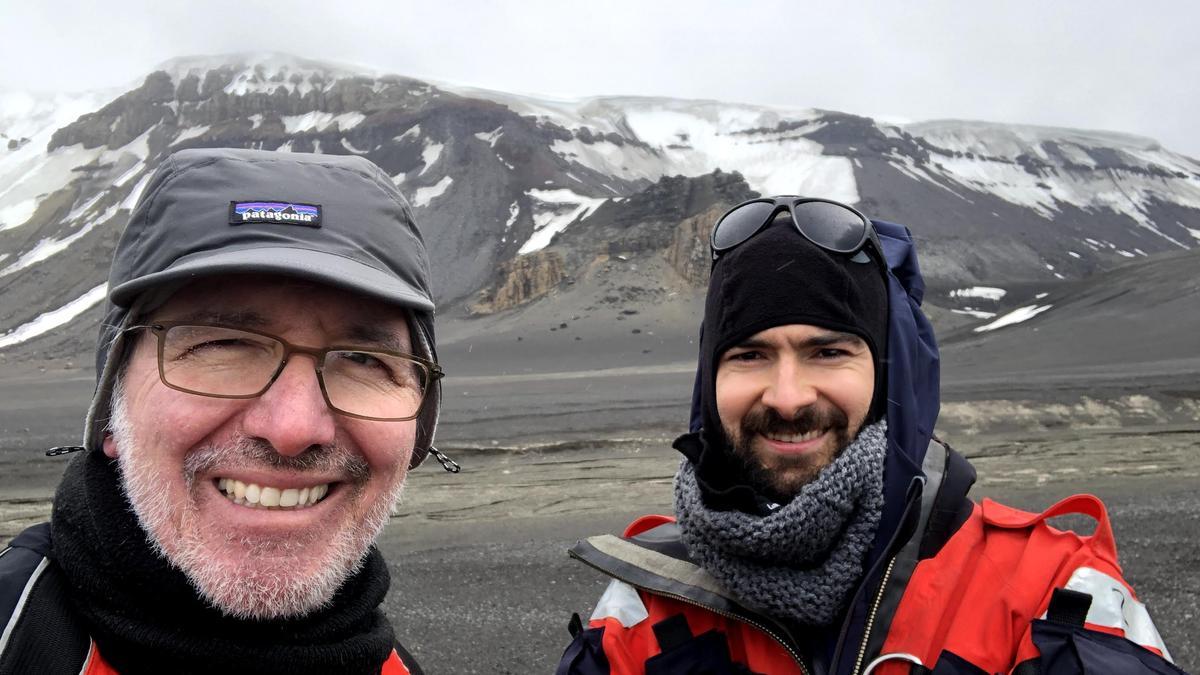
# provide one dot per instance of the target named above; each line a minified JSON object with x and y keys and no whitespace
{"x":831,"y":225}
{"x":225,"y":362}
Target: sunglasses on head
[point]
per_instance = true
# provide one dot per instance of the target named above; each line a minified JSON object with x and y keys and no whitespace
{"x":831,"y":225}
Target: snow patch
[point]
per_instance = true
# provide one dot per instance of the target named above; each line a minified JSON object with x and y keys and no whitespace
{"x":136,"y":193}
{"x":1073,"y":254}
{"x":129,"y":173}
{"x":412,"y":132}
{"x":514,"y":210}
{"x":978,"y":314}
{"x":1014,"y":317}
{"x":53,"y":319}
{"x":985,"y":292}
{"x":1194,"y":232}
{"x":50,"y":246}
{"x":553,"y":211}
{"x":320,"y":121}
{"x":424,"y":195}
{"x":255,"y":120}
{"x":193,"y":132}
{"x":17,"y":214}
{"x":490,"y":137}
{"x":80,"y":210}
{"x":350,"y":147}
{"x":430,"y":154}
{"x":26,"y":176}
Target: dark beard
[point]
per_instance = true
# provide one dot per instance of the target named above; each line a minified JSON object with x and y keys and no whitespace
{"x":785,"y":475}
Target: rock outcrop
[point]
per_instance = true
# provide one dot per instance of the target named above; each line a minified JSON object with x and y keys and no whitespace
{"x":522,"y":279}
{"x":688,"y":251}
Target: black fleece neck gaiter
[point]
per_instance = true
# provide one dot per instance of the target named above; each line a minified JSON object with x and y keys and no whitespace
{"x":146,"y":617}
{"x":776,"y":278}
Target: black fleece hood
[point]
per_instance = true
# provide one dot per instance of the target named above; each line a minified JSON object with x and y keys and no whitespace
{"x":778,"y":278}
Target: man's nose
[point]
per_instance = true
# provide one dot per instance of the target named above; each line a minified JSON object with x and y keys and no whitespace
{"x":789,"y":391}
{"x":292,"y":415}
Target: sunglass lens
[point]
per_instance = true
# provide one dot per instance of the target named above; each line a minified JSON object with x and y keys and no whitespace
{"x":831,"y":226}
{"x":740,"y":224}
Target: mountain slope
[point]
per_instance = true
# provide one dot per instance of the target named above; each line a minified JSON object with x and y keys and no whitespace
{"x":506,"y":187}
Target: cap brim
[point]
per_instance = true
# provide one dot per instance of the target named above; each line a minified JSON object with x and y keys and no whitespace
{"x":319,"y":266}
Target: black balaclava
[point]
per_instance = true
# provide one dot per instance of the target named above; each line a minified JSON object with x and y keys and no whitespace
{"x":776,"y":278}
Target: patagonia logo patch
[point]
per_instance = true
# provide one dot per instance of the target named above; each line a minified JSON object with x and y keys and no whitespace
{"x":283,"y":213}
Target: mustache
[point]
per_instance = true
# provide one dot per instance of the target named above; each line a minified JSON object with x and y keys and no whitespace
{"x":256,"y":452}
{"x":766,"y":421}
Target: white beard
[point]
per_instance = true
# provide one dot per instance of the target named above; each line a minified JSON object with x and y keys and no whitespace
{"x":265,"y":578}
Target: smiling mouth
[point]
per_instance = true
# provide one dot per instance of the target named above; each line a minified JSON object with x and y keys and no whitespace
{"x":254,"y":495}
{"x":795,"y":438}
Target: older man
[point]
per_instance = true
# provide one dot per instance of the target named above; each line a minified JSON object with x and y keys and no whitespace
{"x":817,"y":528}
{"x":266,"y":379}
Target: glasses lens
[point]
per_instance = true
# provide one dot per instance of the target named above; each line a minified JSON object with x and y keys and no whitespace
{"x":371,"y":384}
{"x":218,"y":361}
{"x":740,"y":224}
{"x":831,"y":226}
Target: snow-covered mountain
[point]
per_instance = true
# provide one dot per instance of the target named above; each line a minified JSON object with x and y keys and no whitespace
{"x":495,"y":177}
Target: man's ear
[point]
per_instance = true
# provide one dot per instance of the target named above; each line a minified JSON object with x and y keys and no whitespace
{"x":110,"y":446}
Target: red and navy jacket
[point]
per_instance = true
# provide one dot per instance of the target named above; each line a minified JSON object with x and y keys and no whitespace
{"x":972,"y":589}
{"x":949,"y":586}
{"x":41,"y":633}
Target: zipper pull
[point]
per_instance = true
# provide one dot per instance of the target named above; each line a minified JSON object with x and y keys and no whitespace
{"x":63,"y":450}
{"x":447,"y":463}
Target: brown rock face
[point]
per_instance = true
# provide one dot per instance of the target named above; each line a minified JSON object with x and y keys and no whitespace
{"x":688,"y":252}
{"x":521,"y":280}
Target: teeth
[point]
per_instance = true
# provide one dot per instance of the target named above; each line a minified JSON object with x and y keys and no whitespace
{"x":797,"y":438}
{"x":252,"y":495}
{"x":289,"y":497}
{"x":269,"y":496}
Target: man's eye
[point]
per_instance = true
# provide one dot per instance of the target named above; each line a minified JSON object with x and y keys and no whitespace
{"x":745,"y":356}
{"x":362,"y":359}
{"x":229,"y":344}
{"x":832,"y":353}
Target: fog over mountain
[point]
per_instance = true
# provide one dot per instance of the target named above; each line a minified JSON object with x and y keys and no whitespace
{"x":522,"y":198}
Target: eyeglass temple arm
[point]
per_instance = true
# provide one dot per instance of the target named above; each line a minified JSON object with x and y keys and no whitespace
{"x":448,"y":464}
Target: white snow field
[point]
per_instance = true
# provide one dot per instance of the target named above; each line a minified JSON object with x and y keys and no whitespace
{"x":54,"y":318}
{"x":1014,"y":317}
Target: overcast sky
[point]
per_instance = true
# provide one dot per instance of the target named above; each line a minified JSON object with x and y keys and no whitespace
{"x":1121,"y":66}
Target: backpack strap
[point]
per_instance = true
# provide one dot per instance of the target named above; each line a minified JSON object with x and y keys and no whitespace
{"x":42,"y":634}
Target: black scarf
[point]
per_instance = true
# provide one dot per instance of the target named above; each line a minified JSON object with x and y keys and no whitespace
{"x":146,"y":617}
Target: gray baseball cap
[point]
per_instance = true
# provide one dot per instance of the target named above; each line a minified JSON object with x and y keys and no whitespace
{"x":334,"y":219}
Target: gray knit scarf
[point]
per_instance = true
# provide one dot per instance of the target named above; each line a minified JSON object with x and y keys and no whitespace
{"x":801,"y":561}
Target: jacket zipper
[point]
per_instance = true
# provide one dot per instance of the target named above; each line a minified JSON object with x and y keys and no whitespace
{"x":862,"y":650}
{"x":782,"y":643}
